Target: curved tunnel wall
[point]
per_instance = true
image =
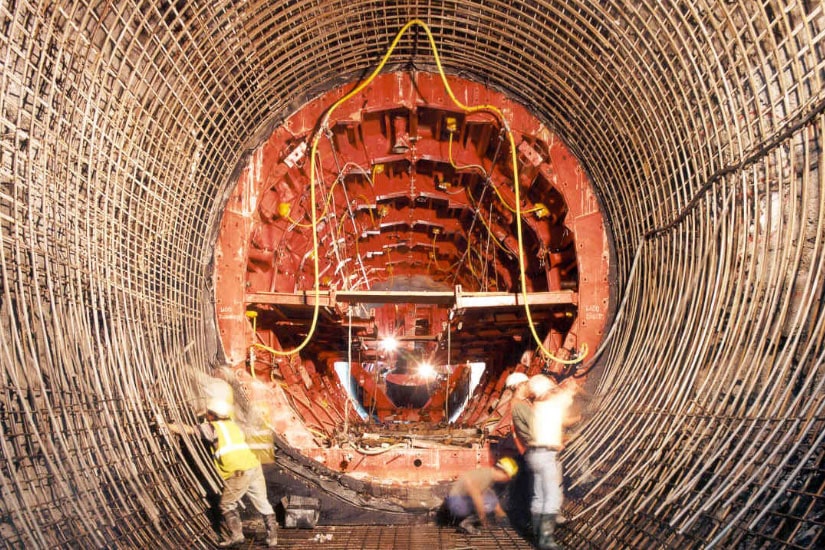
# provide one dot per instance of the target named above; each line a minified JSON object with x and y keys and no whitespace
{"x":701,"y":124}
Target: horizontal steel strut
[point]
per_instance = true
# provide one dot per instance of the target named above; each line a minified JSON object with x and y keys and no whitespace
{"x":458,"y":299}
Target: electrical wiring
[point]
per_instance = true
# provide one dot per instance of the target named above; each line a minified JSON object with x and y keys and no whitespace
{"x":514,"y":160}
{"x":323,"y":127}
{"x":369,"y":210}
{"x":434,"y":259}
{"x":494,"y":239}
{"x":329,"y":191}
{"x":486,"y":175}
{"x":296,"y":223}
{"x":469,"y":231}
{"x":465,"y":166}
{"x":488,"y":252}
{"x":471,"y":268}
{"x":487,"y":183}
{"x":351,"y":215}
{"x":390,"y":269}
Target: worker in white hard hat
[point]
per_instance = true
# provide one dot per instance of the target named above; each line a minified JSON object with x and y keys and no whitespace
{"x":472,"y":496}
{"x":551,"y":404}
{"x":520,"y":409}
{"x":521,"y":413}
{"x":238,"y":466}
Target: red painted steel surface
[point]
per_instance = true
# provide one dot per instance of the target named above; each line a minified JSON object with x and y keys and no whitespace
{"x":414,"y":195}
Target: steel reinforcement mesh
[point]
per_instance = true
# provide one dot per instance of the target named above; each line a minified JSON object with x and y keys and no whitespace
{"x":700,"y":122}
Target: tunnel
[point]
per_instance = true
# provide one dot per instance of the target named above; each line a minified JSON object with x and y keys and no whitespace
{"x":253,"y":195}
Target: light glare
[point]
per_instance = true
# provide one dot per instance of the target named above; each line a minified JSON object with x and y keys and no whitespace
{"x":389,"y":343}
{"x":426,"y":370}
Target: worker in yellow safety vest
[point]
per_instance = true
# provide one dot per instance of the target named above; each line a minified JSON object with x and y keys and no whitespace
{"x":239,"y":468}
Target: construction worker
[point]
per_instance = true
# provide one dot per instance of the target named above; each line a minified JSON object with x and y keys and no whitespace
{"x":472,"y":496}
{"x":521,"y":489}
{"x":239,"y":468}
{"x":521,"y":410}
{"x":550,"y":415}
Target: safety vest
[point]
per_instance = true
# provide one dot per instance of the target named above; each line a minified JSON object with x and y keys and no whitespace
{"x":231,"y":454}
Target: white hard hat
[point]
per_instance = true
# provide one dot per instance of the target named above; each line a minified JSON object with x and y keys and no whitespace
{"x":539,"y":385}
{"x":220,"y":407}
{"x":515,"y":379}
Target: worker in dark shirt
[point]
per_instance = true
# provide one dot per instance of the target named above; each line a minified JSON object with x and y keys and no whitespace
{"x":521,"y":410}
{"x":472,"y":497}
{"x":520,"y":491}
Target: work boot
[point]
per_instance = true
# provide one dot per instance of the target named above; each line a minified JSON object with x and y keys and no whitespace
{"x":468,"y":525}
{"x":233,"y":523}
{"x":271,"y":523}
{"x":546,"y":531}
{"x":560,"y":519}
{"x":535,"y":527}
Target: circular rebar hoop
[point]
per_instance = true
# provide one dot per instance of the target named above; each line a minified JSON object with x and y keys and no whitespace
{"x":701,"y":124}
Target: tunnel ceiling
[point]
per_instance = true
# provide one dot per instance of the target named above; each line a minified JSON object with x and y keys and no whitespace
{"x":127,"y":127}
{"x":419,"y":235}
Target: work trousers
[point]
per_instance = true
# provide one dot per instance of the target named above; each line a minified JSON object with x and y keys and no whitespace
{"x":462,"y":506}
{"x":547,"y":479}
{"x":250,"y":483}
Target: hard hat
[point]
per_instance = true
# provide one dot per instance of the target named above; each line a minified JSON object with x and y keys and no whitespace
{"x":220,"y":407}
{"x":515,"y":379}
{"x":540,"y":385}
{"x":508,"y":465}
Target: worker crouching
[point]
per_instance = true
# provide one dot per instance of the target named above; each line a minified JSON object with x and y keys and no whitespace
{"x":472,"y":497}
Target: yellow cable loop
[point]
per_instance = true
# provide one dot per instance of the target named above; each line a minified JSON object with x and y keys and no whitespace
{"x":435,"y":256}
{"x":514,"y":160}
{"x":467,"y":109}
{"x":316,"y":268}
{"x":464,"y":167}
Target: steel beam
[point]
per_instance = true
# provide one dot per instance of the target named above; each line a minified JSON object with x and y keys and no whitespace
{"x":459,"y":299}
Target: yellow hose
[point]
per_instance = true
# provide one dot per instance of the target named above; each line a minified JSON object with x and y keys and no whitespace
{"x":323,"y":126}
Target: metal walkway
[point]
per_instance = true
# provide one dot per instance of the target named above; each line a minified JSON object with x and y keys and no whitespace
{"x":392,"y":537}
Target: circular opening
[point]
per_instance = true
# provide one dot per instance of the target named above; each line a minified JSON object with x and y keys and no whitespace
{"x":399,"y":219}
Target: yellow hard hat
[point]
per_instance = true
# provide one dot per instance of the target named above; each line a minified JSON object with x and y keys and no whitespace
{"x":508,"y":465}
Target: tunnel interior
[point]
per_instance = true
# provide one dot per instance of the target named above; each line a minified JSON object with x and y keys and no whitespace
{"x":258,"y":193}
{"x":417,"y":240}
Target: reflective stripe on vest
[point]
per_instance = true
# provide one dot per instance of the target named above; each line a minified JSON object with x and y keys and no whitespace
{"x":231,"y":453}
{"x":228,"y":446}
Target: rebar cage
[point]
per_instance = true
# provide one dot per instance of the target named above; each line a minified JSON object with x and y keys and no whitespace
{"x":701,"y":124}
